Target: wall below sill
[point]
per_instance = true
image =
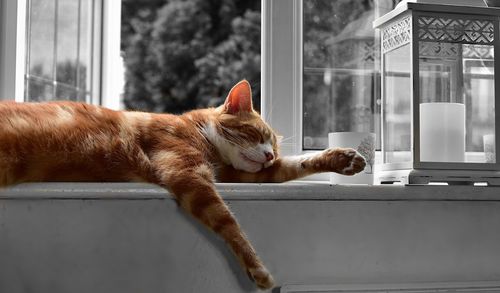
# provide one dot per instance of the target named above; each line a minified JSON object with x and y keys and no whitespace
{"x":125,"y":237}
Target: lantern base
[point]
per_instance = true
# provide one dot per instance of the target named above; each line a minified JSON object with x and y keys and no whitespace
{"x":427,"y":176}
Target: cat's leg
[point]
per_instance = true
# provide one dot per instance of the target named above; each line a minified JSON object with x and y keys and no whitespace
{"x":190,"y":180}
{"x":344,"y":161}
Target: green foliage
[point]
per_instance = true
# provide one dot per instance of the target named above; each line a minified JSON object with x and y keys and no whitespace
{"x":184,"y":54}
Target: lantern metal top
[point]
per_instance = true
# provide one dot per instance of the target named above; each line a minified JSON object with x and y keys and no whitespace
{"x":443,"y":8}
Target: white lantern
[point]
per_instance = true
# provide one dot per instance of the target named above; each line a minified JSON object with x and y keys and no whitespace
{"x":440,"y":87}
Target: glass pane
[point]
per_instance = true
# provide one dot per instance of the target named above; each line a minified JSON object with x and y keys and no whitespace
{"x":397,"y":105}
{"x":39,"y":91}
{"x":347,"y":106}
{"x":457,"y":96}
{"x":84,"y":97}
{"x":67,"y":41}
{"x":85,"y":45}
{"x":340,"y":81}
{"x":41,"y":38}
{"x":66,"y":93}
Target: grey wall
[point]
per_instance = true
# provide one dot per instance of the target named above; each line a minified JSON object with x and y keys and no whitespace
{"x":129,"y":238}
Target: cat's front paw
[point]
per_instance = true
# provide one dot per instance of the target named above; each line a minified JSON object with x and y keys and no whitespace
{"x":261,"y":277}
{"x":344,"y":161}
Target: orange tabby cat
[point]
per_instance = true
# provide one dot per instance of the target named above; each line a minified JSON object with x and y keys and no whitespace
{"x":66,"y":141}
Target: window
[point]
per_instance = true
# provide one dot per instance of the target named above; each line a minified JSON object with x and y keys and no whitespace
{"x":70,"y":49}
{"x":319,"y":64}
{"x":340,"y":89}
{"x":59,"y":50}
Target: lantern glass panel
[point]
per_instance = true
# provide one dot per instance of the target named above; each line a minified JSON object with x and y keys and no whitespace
{"x":397,"y":105}
{"x":457,"y":99}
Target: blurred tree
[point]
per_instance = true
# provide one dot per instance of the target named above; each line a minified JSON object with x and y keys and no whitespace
{"x":234,"y":59}
{"x":179,"y":53}
{"x":137,"y":24}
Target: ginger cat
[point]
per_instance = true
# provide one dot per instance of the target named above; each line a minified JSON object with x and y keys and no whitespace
{"x":186,"y":154}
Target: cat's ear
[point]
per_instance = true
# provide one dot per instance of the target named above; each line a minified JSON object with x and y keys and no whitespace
{"x":239,"y":99}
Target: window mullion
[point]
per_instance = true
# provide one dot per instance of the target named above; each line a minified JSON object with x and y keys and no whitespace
{"x":12,"y":51}
{"x":281,"y":70}
{"x":54,"y":66}
{"x":77,"y":82}
{"x":27,"y":51}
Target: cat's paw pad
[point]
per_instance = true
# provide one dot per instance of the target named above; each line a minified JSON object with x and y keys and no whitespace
{"x":261,"y":277}
{"x":346,"y":161}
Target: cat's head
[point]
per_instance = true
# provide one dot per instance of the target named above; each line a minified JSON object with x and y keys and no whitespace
{"x":242,"y":138}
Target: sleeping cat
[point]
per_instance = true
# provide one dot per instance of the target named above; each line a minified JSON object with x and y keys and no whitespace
{"x":186,"y":154}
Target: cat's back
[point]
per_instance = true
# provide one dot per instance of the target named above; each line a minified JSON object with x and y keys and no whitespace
{"x":38,"y":139}
{"x":55,"y":126}
{"x":19,"y":118}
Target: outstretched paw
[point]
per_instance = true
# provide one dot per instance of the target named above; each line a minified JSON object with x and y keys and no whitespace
{"x":261,"y":277}
{"x":345,"y":161}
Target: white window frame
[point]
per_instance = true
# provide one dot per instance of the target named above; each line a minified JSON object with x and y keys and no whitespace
{"x":281,"y":103}
{"x":106,"y":89}
{"x":112,"y":65}
{"x":281,"y":80}
{"x":12,"y":49}
{"x":282,"y":70}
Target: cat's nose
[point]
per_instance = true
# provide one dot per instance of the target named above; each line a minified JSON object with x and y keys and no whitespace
{"x":269,"y":156}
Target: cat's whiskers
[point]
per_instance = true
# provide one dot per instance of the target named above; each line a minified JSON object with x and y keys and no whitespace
{"x":202,"y":134}
{"x":247,"y":150}
{"x":240,"y":143}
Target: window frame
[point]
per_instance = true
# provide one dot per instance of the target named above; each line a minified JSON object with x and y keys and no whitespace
{"x":282,"y":65}
{"x":281,"y":85}
{"x":282,"y":74}
{"x":282,"y":71}
{"x":12,"y":48}
{"x":106,"y":89}
{"x":111,"y":87}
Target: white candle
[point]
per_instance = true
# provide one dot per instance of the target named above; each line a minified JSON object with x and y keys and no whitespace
{"x":442,"y":132}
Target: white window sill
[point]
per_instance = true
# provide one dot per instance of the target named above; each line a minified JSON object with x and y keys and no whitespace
{"x":293,"y":191}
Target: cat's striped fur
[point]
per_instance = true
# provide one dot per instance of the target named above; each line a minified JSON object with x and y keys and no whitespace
{"x":65,"y":141}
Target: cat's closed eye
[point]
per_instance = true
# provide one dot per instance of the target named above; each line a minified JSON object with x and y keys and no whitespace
{"x":253,"y":134}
